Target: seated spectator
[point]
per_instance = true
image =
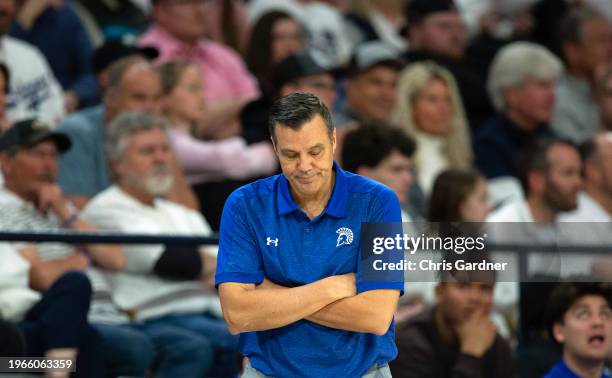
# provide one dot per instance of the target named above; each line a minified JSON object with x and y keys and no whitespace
{"x":34,"y":91}
{"x":54,"y":324}
{"x":595,"y":201}
{"x":206,"y":161}
{"x":521,"y":84}
{"x":550,"y":177}
{"x":370,"y":85}
{"x":429,"y":108}
{"x":228,"y":23}
{"x":384,"y":154}
{"x":162,"y":285}
{"x":113,"y":50}
{"x":455,"y":338}
{"x":436,"y":31}
{"x":603,"y":95}
{"x":133,"y":84}
{"x":580,"y":320}
{"x":177,"y":32}
{"x":55,"y":29}
{"x":377,"y":20}
{"x":274,"y":37}
{"x":32,"y":201}
{"x":458,"y":195}
{"x":586,"y":38}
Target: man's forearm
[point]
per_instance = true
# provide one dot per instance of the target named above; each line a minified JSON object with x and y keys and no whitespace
{"x":261,"y":309}
{"x":370,"y":312}
{"x":45,"y":273}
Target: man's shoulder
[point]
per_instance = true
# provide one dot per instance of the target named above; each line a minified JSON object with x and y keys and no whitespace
{"x":491,"y":130}
{"x":84,"y":122}
{"x":509,"y":212}
{"x":18,"y":48}
{"x":110,"y":198}
{"x":259,"y":189}
{"x":361,"y":185}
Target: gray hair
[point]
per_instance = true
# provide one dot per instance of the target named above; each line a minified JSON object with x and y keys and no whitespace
{"x":517,"y":63}
{"x":125,"y":125}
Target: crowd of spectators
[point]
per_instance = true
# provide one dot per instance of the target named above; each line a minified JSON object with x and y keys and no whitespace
{"x":142,"y":116}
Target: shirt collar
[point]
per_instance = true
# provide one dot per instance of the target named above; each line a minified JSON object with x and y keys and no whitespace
{"x":336,"y":206}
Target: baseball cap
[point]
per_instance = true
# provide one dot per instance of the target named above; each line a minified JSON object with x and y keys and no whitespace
{"x":417,"y":10}
{"x":295,"y":66}
{"x":29,"y":132}
{"x":115,"y":49}
{"x":370,"y":54}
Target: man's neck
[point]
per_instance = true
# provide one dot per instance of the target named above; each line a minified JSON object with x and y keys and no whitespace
{"x":540,"y":211}
{"x":583,"y":368}
{"x":138,"y":195}
{"x":520,"y":121}
{"x":315,"y":204}
{"x":187,"y":43}
{"x":602,"y":198}
{"x":29,"y":198}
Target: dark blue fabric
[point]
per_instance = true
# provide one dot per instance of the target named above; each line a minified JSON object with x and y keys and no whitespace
{"x":497,"y":144}
{"x":561,"y":370}
{"x":265,"y":233}
{"x":61,"y":37}
{"x":59,"y":320}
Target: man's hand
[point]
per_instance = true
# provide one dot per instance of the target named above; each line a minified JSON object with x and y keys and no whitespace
{"x":51,"y":198}
{"x":477,"y":334}
{"x":32,"y":9}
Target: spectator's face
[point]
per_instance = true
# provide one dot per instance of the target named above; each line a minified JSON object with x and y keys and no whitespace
{"x":475,"y":206}
{"x":459,"y":301}
{"x":184,"y":19}
{"x":395,"y":171}
{"x":323,"y":86}
{"x":145,"y":166}
{"x":595,"y":51}
{"x":186,"y":101}
{"x":533,"y":101}
{"x":563,"y":178}
{"x":371,"y":93}
{"x":306,"y":157}
{"x":433,"y":108}
{"x":7,"y":12}
{"x":286,"y":39}
{"x":139,"y":91}
{"x":29,"y":169}
{"x":585,"y":331}
{"x":441,"y":33}
{"x":603,"y":163}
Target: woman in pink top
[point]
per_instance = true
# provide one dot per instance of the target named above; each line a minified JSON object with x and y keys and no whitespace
{"x":206,"y":161}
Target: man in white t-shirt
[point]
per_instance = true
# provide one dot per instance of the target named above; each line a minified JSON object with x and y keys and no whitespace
{"x":34,"y":91}
{"x":595,"y":201}
{"x":169,"y":284}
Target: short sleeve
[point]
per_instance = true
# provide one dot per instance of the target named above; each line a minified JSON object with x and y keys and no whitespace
{"x":239,"y":258}
{"x":385,"y":221}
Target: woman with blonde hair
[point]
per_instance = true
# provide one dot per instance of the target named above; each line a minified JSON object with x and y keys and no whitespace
{"x":429,"y":108}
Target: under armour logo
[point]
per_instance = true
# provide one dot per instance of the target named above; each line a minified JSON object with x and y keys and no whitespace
{"x":345,"y":236}
{"x":269,"y":241}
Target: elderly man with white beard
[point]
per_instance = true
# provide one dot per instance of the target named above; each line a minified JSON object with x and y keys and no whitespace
{"x":161,"y":284}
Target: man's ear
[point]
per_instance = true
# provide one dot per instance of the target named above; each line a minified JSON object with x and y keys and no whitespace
{"x":558,"y":332}
{"x":4,"y":163}
{"x":536,"y":181}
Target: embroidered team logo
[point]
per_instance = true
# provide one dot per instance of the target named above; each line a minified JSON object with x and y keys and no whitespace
{"x":270,"y":241}
{"x":345,"y":236}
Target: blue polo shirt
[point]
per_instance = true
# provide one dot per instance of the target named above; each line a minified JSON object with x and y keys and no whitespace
{"x":265,"y":233}
{"x":561,"y":370}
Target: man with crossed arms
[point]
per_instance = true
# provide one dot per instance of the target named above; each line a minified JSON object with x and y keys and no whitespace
{"x":288,"y":268}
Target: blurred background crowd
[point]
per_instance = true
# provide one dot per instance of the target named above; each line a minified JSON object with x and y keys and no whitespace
{"x":143,"y":116}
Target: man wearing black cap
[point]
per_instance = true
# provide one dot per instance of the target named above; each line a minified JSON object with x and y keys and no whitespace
{"x":436,"y":31}
{"x":370,"y":86}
